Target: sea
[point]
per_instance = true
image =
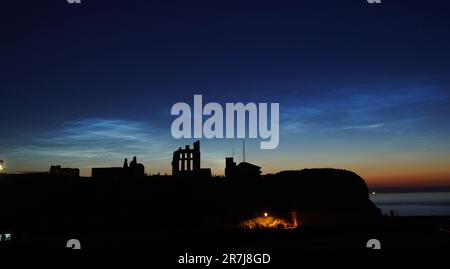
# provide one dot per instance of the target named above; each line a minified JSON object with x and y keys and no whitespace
{"x":413,"y":203}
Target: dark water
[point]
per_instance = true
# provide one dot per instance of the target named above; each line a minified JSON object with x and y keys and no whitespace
{"x":414,"y":203}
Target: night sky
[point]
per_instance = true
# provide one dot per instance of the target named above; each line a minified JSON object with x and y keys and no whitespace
{"x":361,"y":87}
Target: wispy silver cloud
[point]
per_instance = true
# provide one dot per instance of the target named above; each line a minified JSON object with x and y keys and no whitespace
{"x":368,"y":111}
{"x":91,"y":142}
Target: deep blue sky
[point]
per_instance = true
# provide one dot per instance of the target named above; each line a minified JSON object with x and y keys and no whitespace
{"x":363,"y":87}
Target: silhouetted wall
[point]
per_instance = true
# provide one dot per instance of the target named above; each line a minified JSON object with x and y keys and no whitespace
{"x":56,"y":170}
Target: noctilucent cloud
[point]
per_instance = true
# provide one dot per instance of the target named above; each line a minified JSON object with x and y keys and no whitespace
{"x":360,"y":87}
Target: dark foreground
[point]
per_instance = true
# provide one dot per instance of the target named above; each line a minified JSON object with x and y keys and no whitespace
{"x":45,"y":212}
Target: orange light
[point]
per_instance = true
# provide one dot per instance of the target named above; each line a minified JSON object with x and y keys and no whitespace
{"x":268,"y":222}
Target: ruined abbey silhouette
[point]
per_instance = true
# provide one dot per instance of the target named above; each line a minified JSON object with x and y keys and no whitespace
{"x":186,"y":162}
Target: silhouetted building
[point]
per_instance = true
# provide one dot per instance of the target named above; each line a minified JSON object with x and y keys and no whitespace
{"x":186,"y":162}
{"x":56,"y":170}
{"x":230,"y":167}
{"x":135,"y":169}
{"x":244,"y":169}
